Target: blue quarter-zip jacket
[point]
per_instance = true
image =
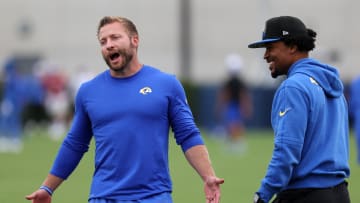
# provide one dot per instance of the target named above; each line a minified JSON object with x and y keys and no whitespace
{"x":310,"y":121}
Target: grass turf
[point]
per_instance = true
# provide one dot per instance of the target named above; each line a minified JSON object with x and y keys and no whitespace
{"x":22,"y":173}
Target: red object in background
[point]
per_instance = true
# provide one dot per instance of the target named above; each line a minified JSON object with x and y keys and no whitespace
{"x":54,"y":82}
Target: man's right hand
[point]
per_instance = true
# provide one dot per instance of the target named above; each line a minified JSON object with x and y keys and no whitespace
{"x":39,"y":196}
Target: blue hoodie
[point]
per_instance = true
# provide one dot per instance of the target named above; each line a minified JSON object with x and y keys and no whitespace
{"x":310,"y":121}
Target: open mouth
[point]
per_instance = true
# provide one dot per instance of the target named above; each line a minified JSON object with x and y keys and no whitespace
{"x":114,"y":56}
{"x":271,"y":63}
{"x":271,"y":66}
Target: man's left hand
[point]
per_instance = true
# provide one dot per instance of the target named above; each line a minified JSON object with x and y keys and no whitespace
{"x":212,"y":189}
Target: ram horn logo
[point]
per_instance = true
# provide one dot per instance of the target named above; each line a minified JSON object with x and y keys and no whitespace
{"x":145,"y":90}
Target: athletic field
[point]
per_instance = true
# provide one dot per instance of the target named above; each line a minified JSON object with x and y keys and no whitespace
{"x":22,"y":173}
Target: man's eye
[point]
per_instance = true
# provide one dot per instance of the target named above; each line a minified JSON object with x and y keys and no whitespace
{"x":116,"y":37}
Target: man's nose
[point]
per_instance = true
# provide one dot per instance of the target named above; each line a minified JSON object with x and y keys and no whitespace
{"x":109,"y":44}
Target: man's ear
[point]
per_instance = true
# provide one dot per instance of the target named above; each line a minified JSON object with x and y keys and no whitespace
{"x":135,"y":40}
{"x":293,"y":48}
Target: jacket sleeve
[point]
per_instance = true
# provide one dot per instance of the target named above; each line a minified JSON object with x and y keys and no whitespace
{"x":289,"y":121}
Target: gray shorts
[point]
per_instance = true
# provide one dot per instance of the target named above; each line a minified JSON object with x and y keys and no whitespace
{"x":163,"y":198}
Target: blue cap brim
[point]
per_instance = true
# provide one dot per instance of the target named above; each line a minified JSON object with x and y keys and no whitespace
{"x":261,"y":44}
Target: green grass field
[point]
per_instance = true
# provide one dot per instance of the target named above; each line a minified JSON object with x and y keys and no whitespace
{"x":20,"y":174}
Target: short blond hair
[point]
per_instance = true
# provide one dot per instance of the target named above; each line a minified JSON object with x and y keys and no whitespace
{"x":128,"y":24}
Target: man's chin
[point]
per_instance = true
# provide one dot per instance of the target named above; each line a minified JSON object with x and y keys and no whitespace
{"x":274,"y":74}
{"x":117,"y":68}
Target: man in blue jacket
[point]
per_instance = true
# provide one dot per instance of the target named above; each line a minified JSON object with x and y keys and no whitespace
{"x":309,"y":116}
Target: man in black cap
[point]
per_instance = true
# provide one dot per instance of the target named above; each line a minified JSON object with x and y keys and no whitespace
{"x":310,"y":120}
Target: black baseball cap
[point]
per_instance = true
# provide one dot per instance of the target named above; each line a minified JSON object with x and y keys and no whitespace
{"x":280,"y":27}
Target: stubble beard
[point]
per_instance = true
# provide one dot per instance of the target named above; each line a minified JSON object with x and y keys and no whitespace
{"x":120,"y":68}
{"x":275,"y":74}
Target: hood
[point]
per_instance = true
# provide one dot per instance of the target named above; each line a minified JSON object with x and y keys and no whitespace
{"x":326,"y":76}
